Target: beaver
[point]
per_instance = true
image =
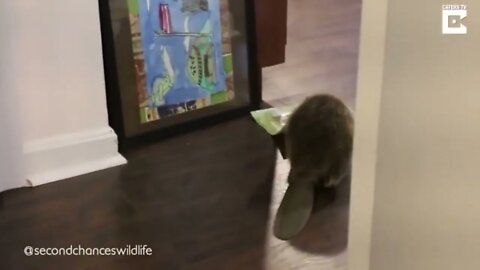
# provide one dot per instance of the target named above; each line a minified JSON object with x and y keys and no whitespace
{"x":319,"y":143}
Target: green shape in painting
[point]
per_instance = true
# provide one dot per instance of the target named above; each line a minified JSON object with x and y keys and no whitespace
{"x":143,"y":116}
{"x":160,"y":87}
{"x":219,"y":97}
{"x":228,"y":63}
{"x":201,"y":63}
{"x":133,"y":6}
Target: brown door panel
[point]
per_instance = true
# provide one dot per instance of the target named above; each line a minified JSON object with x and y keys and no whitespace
{"x":271,"y":18}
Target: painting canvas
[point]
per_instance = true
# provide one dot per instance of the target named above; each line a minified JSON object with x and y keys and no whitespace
{"x":182,"y":55}
{"x":177,"y":65}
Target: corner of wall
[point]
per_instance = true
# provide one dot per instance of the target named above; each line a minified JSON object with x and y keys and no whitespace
{"x":66,"y":156}
{"x":369,"y":92}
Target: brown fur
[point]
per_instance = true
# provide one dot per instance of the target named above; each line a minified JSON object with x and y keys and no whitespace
{"x":319,"y":141}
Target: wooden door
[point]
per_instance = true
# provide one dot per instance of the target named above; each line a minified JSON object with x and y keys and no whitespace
{"x":271,"y":18}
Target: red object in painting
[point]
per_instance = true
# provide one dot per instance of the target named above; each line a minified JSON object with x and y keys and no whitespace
{"x":165,"y":20}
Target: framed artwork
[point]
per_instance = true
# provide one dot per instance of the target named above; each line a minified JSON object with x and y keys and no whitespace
{"x":170,"y":63}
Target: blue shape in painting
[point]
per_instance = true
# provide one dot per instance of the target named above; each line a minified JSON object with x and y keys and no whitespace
{"x":167,"y":56}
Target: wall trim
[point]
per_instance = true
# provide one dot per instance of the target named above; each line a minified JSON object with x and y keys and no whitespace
{"x":62,"y":157}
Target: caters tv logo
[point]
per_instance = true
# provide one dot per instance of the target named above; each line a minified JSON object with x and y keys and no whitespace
{"x":453,"y":19}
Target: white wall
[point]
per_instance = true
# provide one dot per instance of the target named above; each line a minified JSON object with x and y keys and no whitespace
{"x":56,"y":69}
{"x":58,"y":48}
{"x":11,"y":161}
{"x":426,"y":183}
{"x":369,"y":90}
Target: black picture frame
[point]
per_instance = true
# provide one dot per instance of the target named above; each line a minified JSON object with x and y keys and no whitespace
{"x":119,"y":68}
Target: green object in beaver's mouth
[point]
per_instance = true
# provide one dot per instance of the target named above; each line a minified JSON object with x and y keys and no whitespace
{"x":273,"y":120}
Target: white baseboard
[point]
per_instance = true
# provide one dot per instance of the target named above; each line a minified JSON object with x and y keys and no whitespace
{"x":63,"y":157}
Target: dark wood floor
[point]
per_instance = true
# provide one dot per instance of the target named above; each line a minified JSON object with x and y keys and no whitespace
{"x":204,"y":200}
{"x":322,"y":52}
{"x":200,"y":201}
